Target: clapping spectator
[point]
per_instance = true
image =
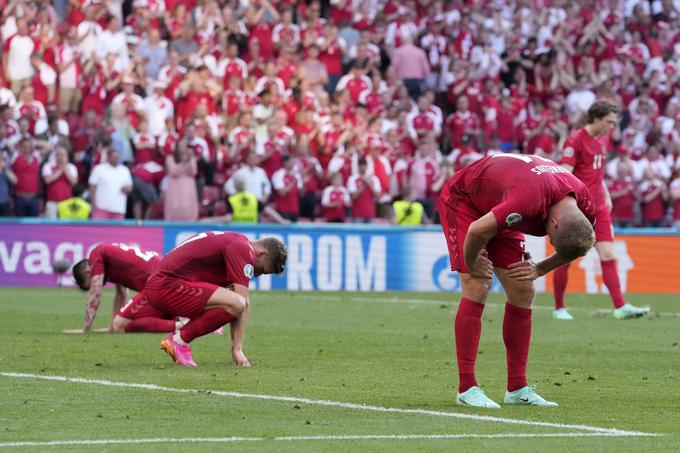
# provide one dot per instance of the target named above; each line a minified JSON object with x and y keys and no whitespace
{"x":622,"y":191}
{"x":654,"y":194}
{"x":364,"y":189}
{"x":110,"y":184}
{"x":335,"y":200}
{"x":16,"y":58}
{"x":59,"y":177}
{"x":26,"y":179}
{"x":70,"y":70}
{"x":287,"y":185}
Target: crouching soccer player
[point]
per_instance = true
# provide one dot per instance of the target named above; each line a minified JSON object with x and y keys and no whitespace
{"x":128,"y":267}
{"x":193,"y":281}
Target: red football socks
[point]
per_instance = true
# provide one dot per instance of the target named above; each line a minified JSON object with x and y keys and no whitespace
{"x":207,"y":323}
{"x":611,"y":281}
{"x":150,"y":324}
{"x":517,"y":336}
{"x":560,"y":276}
{"x":468,"y":329}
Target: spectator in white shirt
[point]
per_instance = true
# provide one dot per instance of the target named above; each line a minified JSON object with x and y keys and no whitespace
{"x":654,"y":161}
{"x":159,"y":109}
{"x":112,"y":40}
{"x":88,"y":31}
{"x":580,"y":99}
{"x":68,"y":65}
{"x":255,"y":178}
{"x":16,"y":58}
{"x":110,"y":184}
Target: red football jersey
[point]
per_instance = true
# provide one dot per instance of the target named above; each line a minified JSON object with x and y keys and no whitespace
{"x":587,"y":155}
{"x":518,"y":189}
{"x":216,"y":257}
{"x":122,"y":264}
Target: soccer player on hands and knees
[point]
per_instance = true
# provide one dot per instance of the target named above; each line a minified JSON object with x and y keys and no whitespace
{"x":205,"y":279}
{"x":485,"y":209}
{"x":584,"y":155}
{"x":128,"y":267}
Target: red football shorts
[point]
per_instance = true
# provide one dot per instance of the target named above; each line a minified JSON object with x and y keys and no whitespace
{"x":456,"y":215}
{"x":178,"y":297}
{"x":139,"y":307}
{"x":604,"y":230}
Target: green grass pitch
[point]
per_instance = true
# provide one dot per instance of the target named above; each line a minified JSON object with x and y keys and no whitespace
{"x":391,"y":350}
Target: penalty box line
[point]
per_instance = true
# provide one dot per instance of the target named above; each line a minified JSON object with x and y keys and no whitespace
{"x":191,"y":440}
{"x":328,"y":403}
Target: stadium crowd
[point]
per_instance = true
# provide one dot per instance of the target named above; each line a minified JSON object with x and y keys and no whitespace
{"x":323,"y":111}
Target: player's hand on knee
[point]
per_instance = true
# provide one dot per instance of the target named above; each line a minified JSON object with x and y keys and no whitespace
{"x":523,"y":271}
{"x":483,"y":267}
{"x":239,"y":358}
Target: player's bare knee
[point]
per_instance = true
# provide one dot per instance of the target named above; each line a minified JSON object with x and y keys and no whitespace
{"x":476,"y":289}
{"x":522,"y":295}
{"x":236,"y":305}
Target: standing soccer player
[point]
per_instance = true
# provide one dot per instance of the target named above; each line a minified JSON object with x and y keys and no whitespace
{"x":584,"y":155}
{"x":205,"y":279}
{"x":128,"y":267}
{"x":484,"y":210}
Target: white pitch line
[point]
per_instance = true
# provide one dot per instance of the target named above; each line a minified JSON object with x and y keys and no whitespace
{"x":353,"y":406}
{"x":58,"y":443}
{"x":409,"y":301}
{"x":394,"y":300}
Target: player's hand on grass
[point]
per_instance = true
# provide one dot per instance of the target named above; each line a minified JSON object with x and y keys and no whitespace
{"x":523,"y":271}
{"x":102,"y":330}
{"x":483,"y":267}
{"x":239,"y":358}
{"x":74,"y":331}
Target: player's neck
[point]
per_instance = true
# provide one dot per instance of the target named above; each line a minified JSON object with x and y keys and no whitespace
{"x":590,"y":129}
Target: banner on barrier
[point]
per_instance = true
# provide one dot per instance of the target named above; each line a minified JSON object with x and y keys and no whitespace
{"x":27,"y":252}
{"x":334,"y":258}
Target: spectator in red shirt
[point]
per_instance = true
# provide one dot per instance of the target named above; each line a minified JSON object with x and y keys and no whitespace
{"x":7,"y":179}
{"x":364,"y":189}
{"x":355,"y":82}
{"x":623,"y":195}
{"x":59,"y":178}
{"x":462,"y":122}
{"x":26,"y":168}
{"x":335,"y":200}
{"x":675,"y":199}
{"x":287,"y":184}
{"x":654,"y":194}
{"x":258,"y":26}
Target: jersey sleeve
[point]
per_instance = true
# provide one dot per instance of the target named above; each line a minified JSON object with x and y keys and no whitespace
{"x":96,"y":260}
{"x":570,"y":152}
{"x":238,"y":257}
{"x":518,"y":206}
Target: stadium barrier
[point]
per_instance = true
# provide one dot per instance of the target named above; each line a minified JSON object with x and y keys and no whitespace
{"x":330,"y":257}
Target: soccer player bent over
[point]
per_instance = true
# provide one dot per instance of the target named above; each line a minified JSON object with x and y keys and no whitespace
{"x":584,"y":155}
{"x":128,"y":267}
{"x":194,"y":281}
{"x":484,"y":210}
